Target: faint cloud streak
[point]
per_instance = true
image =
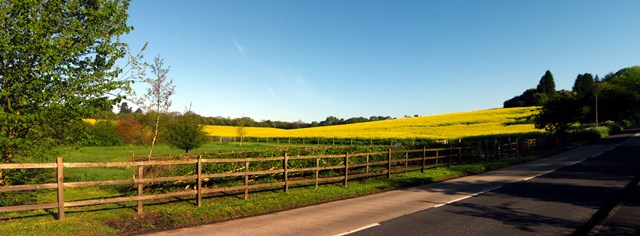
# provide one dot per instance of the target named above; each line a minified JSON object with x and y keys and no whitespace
{"x":273,"y":94}
{"x":237,"y":44}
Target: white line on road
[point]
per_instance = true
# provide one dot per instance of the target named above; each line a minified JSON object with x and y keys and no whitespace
{"x":358,"y":229}
{"x":459,"y":199}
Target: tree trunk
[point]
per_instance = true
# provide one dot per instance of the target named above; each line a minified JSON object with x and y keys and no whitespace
{"x":155,"y":135}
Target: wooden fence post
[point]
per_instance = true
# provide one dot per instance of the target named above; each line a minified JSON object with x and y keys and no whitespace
{"x":437,"y":154}
{"x":317,"y":171}
{"x":367,"y":172}
{"x":406,"y":162}
{"x":246,"y":180}
{"x":140,"y":187}
{"x":60,"y":175}
{"x":199,"y":170}
{"x":450,"y":155}
{"x":424,"y":158}
{"x":517,"y":147}
{"x":285,"y":165}
{"x":389,"y":164}
{"x":346,"y":169}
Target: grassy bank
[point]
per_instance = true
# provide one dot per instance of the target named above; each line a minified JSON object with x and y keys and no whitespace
{"x":121,"y":218}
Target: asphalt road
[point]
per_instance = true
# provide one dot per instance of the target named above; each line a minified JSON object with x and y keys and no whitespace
{"x":555,"y":203}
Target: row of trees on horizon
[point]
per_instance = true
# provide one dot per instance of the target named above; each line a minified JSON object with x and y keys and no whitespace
{"x":126,"y":111}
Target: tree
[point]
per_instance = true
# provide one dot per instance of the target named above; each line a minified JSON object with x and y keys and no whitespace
{"x":557,"y":115}
{"x":158,"y":95}
{"x":584,"y":86}
{"x":547,"y":85}
{"x":241,"y":131}
{"x":57,"y":65}
{"x":185,"y":133}
{"x":125,"y":109}
{"x":129,"y":130}
{"x":618,"y":95}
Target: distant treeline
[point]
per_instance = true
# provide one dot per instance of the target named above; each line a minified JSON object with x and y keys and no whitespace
{"x":126,"y":111}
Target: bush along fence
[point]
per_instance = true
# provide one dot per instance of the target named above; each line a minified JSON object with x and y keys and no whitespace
{"x":242,"y":175}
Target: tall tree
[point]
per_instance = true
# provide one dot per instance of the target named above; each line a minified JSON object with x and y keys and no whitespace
{"x":158,"y":95}
{"x":125,"y":109}
{"x":57,"y":65}
{"x":584,"y":85}
{"x":547,"y":85}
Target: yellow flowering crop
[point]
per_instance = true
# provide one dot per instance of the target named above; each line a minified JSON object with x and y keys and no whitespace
{"x":446,"y":126}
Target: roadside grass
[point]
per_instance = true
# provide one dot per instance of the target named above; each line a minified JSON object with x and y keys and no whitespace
{"x":116,"y":219}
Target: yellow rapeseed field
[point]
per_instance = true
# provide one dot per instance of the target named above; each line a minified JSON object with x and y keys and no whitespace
{"x":446,"y":126}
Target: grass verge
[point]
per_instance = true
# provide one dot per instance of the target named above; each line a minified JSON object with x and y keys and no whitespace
{"x":118,"y":219}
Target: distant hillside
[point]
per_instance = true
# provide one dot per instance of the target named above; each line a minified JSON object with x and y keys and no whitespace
{"x":445,"y":126}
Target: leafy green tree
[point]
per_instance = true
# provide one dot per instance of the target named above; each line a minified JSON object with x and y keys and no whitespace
{"x":547,"y":85}
{"x":558,"y":114}
{"x":618,"y":95}
{"x":57,"y":65}
{"x":185,"y":132}
{"x":584,"y":86}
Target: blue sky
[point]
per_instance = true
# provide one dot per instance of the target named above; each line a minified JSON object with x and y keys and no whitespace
{"x":306,"y":60}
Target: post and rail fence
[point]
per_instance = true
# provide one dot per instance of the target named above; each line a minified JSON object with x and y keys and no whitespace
{"x":343,"y":168}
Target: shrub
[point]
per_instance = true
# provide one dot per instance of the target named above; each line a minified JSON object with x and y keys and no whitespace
{"x":103,"y":133}
{"x":185,"y":133}
{"x":129,"y":130}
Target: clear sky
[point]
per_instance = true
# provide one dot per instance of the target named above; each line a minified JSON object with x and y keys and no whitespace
{"x":306,"y":60}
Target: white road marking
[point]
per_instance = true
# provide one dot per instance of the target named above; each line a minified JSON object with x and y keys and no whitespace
{"x":459,"y":199}
{"x":358,"y":229}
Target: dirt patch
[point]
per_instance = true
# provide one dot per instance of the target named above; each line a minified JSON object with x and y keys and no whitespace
{"x":140,"y":223}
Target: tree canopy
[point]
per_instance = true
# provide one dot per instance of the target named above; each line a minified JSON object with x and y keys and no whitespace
{"x":57,"y":62}
{"x":584,"y":85}
{"x":543,"y":93}
{"x":557,"y":115}
{"x":184,"y":132}
{"x":547,"y":85}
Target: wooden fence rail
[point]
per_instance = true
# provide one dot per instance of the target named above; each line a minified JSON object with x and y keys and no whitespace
{"x":351,"y":168}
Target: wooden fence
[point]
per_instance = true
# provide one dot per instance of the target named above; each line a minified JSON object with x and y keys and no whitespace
{"x":352,"y":166}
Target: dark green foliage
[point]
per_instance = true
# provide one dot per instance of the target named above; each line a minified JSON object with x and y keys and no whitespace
{"x":547,"y":85}
{"x":584,"y":86}
{"x":102,"y":133}
{"x":557,"y":115}
{"x":530,"y":97}
{"x":184,"y":132}
{"x":125,"y":109}
{"x":619,"y":95}
{"x":543,"y":93}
